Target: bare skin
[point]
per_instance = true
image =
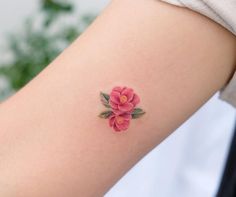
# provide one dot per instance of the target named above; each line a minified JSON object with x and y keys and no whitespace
{"x":52,"y":142}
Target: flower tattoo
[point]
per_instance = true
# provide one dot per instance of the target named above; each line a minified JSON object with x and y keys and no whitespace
{"x":121,"y":104}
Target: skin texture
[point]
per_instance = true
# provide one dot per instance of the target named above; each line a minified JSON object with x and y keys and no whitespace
{"x":52,"y":143}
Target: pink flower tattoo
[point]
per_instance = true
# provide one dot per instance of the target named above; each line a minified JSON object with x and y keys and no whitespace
{"x":122,"y":102}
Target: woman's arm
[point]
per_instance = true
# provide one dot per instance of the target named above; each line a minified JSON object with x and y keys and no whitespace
{"x":52,"y":142}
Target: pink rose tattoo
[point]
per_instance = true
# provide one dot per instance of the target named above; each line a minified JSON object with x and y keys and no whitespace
{"x":122,"y":102}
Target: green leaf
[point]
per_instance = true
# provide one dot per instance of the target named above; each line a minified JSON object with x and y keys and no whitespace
{"x":105,"y":114}
{"x":137,"y":112}
{"x":105,"y":99}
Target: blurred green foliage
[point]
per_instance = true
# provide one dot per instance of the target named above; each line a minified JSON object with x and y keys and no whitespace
{"x":54,"y":8}
{"x":37,"y":45}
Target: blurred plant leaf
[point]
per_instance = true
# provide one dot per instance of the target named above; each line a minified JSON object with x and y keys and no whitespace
{"x":34,"y":48}
{"x":53,"y":8}
{"x":56,"y":6}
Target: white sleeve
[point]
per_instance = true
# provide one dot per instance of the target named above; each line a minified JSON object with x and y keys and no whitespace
{"x":221,"y":11}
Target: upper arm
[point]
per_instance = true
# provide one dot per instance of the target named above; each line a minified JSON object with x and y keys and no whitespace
{"x":52,"y":141}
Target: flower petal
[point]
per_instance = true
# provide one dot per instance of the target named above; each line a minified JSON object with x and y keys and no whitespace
{"x":115,"y":97}
{"x":135,"y":100}
{"x":113,"y":105}
{"x":116,"y":128}
{"x":124,"y":88}
{"x":123,"y":126}
{"x":126,"y":116}
{"x":117,"y":111}
{"x":126,"y":107}
{"x":129,"y":93}
{"x":117,"y":89}
{"x":112,"y":121}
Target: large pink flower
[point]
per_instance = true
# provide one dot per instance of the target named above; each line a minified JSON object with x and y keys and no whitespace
{"x":123,"y":99}
{"x":119,"y":122}
{"x":121,"y":104}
